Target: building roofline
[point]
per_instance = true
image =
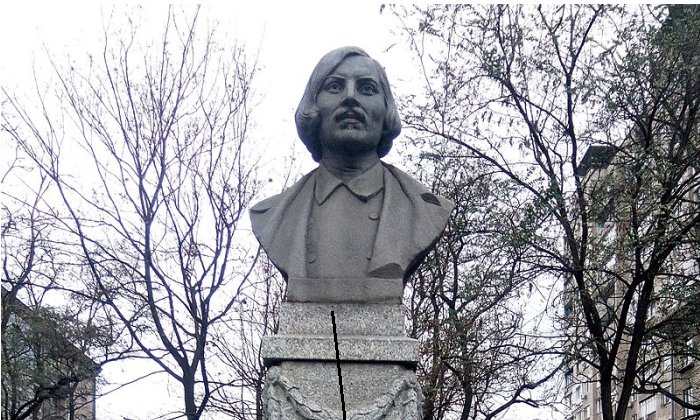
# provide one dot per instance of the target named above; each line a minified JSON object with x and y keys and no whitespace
{"x":20,"y":308}
{"x":596,"y":157}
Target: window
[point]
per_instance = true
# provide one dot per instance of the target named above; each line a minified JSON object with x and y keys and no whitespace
{"x":577,"y":394}
{"x":649,"y":370}
{"x":666,"y":398}
{"x":667,"y":363}
{"x":647,"y":407}
{"x":688,"y":397}
{"x":653,"y":308}
{"x":598,"y":405}
{"x":568,"y":309}
{"x":569,"y":378}
{"x":685,"y":360}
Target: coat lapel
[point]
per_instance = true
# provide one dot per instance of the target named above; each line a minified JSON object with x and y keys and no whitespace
{"x":412,"y":220}
{"x":280,"y":223}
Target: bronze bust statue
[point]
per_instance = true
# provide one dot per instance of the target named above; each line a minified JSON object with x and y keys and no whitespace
{"x":354,"y":217}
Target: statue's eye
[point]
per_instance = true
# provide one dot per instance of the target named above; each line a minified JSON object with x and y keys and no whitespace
{"x":333,"y":86}
{"x":368,"y":89}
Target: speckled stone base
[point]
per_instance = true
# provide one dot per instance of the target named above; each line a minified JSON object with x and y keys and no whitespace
{"x":377,"y":364}
{"x":350,"y":319}
{"x":303,"y":391}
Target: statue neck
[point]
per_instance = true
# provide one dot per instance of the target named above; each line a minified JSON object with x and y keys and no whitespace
{"x":348,"y":167}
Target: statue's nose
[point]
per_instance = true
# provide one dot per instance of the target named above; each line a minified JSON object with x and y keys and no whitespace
{"x":350,"y":90}
{"x":351,"y":95}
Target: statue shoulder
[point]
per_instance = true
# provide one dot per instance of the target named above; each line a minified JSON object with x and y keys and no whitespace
{"x":412,"y":187}
{"x":266,"y":204}
{"x":275,"y":200}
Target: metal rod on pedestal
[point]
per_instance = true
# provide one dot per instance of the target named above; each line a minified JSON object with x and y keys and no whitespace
{"x":337,"y":360}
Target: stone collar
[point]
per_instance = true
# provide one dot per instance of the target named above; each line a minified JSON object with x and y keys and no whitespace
{"x":364,"y":186}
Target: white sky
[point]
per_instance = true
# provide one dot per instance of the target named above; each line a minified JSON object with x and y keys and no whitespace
{"x":291,"y":36}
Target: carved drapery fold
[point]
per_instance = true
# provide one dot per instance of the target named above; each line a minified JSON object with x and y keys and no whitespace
{"x":284,"y":401}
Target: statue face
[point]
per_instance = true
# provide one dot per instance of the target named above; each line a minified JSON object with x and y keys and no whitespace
{"x":352,"y":108}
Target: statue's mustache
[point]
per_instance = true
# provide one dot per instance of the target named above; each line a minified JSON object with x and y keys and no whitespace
{"x":350,"y":113}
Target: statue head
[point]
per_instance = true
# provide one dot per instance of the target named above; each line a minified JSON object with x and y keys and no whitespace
{"x":308,"y":119}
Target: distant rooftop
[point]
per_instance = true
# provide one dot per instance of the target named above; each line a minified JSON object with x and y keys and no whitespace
{"x":596,"y":157}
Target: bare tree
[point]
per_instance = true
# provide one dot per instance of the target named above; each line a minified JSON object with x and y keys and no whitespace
{"x":51,"y":354}
{"x":483,"y":349}
{"x":525,"y":91}
{"x":145,"y":147}
{"x":239,"y":343}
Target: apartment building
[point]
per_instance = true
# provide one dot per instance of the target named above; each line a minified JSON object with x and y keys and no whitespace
{"x":44,"y":375}
{"x":669,"y":365}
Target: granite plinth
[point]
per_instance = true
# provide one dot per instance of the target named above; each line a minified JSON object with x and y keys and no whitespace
{"x":345,"y":290}
{"x":400,"y":350}
{"x":350,"y":319}
{"x":377,"y":363}
{"x":303,"y":391}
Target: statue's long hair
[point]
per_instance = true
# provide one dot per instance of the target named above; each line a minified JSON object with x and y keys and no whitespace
{"x":308,"y":119}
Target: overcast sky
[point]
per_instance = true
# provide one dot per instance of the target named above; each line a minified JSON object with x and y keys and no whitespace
{"x":290,"y":38}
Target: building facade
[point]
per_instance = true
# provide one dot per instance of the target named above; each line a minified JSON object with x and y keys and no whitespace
{"x":668,"y":371}
{"x":44,"y":375}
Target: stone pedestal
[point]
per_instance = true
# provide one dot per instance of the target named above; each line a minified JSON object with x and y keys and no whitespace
{"x":377,"y":363}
